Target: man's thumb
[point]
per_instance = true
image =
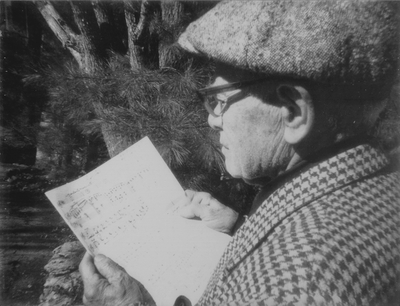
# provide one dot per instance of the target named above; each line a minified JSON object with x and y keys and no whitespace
{"x":108,"y":268}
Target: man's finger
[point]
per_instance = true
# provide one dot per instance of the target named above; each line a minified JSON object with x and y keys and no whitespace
{"x":202,"y":198}
{"x":189,"y":211}
{"x":181,"y":202}
{"x":190,"y":193}
{"x":178,"y":203}
{"x":198,"y":206}
{"x":108,"y":268}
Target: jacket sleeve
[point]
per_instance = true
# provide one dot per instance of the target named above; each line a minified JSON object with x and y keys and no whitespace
{"x":273,"y":274}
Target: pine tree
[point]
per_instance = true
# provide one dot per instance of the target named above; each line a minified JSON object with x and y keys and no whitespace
{"x":147,"y":89}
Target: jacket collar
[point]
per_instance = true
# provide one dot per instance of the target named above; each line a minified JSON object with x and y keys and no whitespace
{"x":309,"y":184}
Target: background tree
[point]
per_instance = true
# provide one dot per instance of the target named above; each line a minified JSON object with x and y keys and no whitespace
{"x":126,"y":60}
{"x":131,"y":80}
{"x":21,"y":47}
{"x":128,"y":79}
{"x":147,"y":89}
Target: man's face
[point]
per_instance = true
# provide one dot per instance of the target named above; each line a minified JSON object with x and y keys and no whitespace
{"x":251,"y":134}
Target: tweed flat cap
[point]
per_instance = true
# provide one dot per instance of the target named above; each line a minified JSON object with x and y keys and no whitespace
{"x":344,"y":42}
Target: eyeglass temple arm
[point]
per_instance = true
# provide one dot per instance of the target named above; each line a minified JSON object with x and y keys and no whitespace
{"x":212,"y":90}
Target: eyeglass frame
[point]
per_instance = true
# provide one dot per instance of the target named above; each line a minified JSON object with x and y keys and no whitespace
{"x":224,"y":103}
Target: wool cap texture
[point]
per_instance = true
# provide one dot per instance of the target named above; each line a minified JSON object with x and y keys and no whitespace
{"x":340,"y":42}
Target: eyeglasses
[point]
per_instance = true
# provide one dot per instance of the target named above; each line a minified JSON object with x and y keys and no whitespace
{"x":217,"y":106}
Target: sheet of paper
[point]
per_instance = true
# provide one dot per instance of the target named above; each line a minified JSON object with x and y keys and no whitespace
{"x":120,"y":210}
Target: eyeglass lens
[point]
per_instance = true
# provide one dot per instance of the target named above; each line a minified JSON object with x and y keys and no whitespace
{"x":214,"y":106}
{"x":217,"y":106}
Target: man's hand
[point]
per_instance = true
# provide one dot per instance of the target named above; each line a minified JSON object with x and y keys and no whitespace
{"x":108,"y":284}
{"x":202,"y":205}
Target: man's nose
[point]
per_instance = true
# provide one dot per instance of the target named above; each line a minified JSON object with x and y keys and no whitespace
{"x":215,"y":122}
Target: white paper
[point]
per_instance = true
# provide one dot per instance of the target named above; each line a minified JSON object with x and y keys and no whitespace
{"x":120,"y":210}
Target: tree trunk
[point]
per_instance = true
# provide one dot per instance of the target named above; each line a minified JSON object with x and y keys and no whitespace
{"x":143,"y":46}
{"x":112,"y":37}
{"x":132,"y":12}
{"x":94,"y":148}
{"x":101,"y":11}
{"x":60,"y":28}
{"x":89,"y":49}
{"x":6,"y":14}
{"x":93,"y":51}
{"x":34,"y":34}
{"x":171,"y":13}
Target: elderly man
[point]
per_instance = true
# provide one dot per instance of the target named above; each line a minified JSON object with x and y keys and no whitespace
{"x":299,"y":86}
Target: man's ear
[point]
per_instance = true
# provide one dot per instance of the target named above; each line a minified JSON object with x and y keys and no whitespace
{"x":297,"y":112}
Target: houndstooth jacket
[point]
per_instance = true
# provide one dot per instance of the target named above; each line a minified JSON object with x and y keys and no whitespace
{"x":330,"y":236}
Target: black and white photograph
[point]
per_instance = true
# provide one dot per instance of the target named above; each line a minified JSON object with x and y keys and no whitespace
{"x":200,"y":153}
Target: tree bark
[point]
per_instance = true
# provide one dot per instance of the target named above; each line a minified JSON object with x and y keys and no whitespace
{"x":171,"y":13}
{"x":142,"y":53}
{"x":116,"y":143}
{"x":94,"y":53}
{"x":60,"y":28}
{"x":112,"y":37}
{"x":101,"y":12}
{"x":87,"y":47}
{"x":132,"y":12}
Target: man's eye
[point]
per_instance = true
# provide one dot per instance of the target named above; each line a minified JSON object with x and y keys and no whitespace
{"x":223,"y":103}
{"x":213,"y":101}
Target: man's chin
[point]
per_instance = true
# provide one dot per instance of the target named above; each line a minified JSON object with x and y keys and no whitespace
{"x":237,"y":174}
{"x":258,"y":181}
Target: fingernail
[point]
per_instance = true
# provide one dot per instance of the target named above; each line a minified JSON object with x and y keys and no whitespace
{"x":100,"y":257}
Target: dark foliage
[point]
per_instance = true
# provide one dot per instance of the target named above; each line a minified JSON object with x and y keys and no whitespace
{"x":162,"y":104}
